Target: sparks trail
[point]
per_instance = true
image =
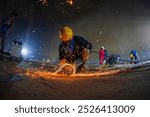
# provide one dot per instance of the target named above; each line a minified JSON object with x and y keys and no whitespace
{"x":70,"y":2}
{"x":44,"y":2}
{"x":69,"y":71}
{"x":59,"y":73}
{"x":47,"y":74}
{"x":72,"y":70}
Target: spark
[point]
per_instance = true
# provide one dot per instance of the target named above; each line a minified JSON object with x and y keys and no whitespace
{"x":44,"y":2}
{"x":78,"y":8}
{"x":70,"y":2}
{"x":100,"y":32}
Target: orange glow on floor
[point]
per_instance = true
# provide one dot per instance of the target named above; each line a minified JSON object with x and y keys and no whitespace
{"x":46,"y":74}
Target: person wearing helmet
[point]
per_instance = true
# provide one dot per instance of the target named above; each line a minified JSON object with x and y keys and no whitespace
{"x":106,"y":56}
{"x":134,"y":57}
{"x":73,"y":47}
{"x":5,"y":26}
{"x":102,"y":55}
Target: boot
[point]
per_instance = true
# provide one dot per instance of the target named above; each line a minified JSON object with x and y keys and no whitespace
{"x":81,"y":68}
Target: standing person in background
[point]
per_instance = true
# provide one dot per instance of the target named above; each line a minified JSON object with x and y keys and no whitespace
{"x":5,"y":26}
{"x":106,"y":56}
{"x":102,"y":55}
{"x":134,"y":57}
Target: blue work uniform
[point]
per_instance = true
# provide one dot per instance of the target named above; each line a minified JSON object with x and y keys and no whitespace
{"x":106,"y":56}
{"x":73,"y":49}
{"x":135,"y":57}
{"x":5,"y":26}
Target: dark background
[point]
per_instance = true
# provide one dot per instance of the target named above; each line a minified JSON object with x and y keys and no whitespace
{"x":118,"y":25}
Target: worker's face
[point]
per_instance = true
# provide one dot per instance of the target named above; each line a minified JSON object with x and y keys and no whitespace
{"x":63,"y":36}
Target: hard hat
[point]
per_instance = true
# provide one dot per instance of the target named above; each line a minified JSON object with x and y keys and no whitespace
{"x":103,"y":47}
{"x":131,"y":55}
{"x":66,"y":34}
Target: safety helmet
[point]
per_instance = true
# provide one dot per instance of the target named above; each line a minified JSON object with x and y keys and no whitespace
{"x":66,"y":34}
{"x":103,"y":48}
{"x":131,"y":55}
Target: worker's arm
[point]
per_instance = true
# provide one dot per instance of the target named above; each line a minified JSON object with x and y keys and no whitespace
{"x":84,"y":43}
{"x":62,"y":55}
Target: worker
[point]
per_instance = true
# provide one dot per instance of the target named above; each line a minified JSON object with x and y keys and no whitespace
{"x":102,"y":55}
{"x":134,"y":57}
{"x":106,"y":56}
{"x":113,"y":59}
{"x":5,"y":26}
{"x":73,"y":48}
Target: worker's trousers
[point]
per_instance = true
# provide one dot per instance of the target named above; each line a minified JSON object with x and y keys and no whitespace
{"x":2,"y":42}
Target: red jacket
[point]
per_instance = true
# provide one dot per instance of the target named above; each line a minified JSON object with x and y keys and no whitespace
{"x":101,"y":56}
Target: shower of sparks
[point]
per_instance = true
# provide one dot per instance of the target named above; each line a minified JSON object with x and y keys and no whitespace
{"x":65,"y":65}
{"x":70,"y":2}
{"x":41,"y":73}
{"x":44,"y":2}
